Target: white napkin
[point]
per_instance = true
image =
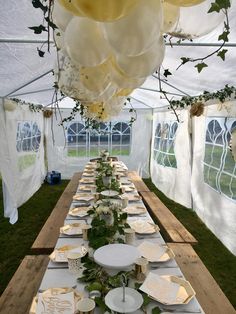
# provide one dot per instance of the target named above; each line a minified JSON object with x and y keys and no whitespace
{"x":151,"y":251}
{"x":160,"y":289}
{"x":49,"y":303}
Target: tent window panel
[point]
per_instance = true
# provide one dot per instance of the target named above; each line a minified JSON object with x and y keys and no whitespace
{"x":163,"y":152}
{"x":219,"y":165}
{"x":28,"y":138}
{"x":114,"y":137}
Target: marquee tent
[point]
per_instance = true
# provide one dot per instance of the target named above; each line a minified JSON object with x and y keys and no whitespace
{"x":190,"y":160}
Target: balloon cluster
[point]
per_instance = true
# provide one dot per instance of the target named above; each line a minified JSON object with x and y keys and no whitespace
{"x":109,"y":47}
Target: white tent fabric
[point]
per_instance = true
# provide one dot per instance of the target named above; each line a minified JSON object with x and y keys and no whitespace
{"x":174,"y":182}
{"x":20,"y":183}
{"x":20,"y":63}
{"x":216,"y":210}
{"x":137,"y":160}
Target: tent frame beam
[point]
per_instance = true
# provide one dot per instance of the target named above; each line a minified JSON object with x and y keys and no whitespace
{"x":163,"y":81}
{"x":158,"y":91}
{"x":28,"y":83}
{"x":183,"y":44}
{"x":33,"y":92}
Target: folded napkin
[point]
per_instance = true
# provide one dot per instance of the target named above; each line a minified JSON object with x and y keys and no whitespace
{"x":56,"y":301}
{"x":151,"y":251}
{"x":160,"y":289}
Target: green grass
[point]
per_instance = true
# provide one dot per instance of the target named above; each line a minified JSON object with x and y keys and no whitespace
{"x":16,"y":240}
{"x":26,"y":161}
{"x":94,"y":152}
{"x":216,"y":257}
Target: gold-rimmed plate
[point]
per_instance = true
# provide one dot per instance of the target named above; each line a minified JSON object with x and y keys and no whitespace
{"x":168,"y":289}
{"x":155,"y":252}
{"x":79,"y":211}
{"x":135,"y":210}
{"x":143,"y":226}
{"x":72,"y":229}
{"x":59,"y":255}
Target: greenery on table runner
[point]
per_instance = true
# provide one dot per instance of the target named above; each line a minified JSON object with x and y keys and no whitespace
{"x":102,"y":231}
{"x":98,"y":279}
{"x":217,"y":258}
{"x":16,"y":240}
{"x":115,"y":185}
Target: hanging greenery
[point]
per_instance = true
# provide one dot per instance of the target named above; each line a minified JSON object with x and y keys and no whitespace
{"x":222,"y":95}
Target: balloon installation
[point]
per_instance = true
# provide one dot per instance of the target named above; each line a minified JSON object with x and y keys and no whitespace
{"x":107,"y":48}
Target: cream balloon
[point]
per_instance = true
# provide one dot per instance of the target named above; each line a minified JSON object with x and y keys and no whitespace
{"x":134,"y":34}
{"x":96,"y":78}
{"x":143,"y":65}
{"x":170,"y":16}
{"x":59,"y":41}
{"x":184,"y":3}
{"x":105,"y":10}
{"x":107,"y":94}
{"x":85,"y":43}
{"x":60,"y":16}
{"x":69,"y":5}
{"x":196,"y":22}
{"x":123,"y":81}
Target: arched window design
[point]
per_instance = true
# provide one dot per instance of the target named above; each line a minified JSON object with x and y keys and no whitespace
{"x":164,"y":140}
{"x":28,"y":138}
{"x":219,"y":165}
{"x":113,"y":136}
{"x":76,"y":139}
{"x":121,"y":138}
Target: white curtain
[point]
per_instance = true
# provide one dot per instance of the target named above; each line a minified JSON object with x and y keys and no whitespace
{"x":214,"y":207}
{"x":21,"y":158}
{"x":171,"y":155}
{"x":137,"y":159}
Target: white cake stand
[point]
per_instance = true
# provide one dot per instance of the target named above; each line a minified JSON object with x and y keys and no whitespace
{"x":133,"y":300}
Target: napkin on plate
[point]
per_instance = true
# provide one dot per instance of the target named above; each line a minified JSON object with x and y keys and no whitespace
{"x":160,"y":289}
{"x":52,"y":301}
{"x":151,"y":251}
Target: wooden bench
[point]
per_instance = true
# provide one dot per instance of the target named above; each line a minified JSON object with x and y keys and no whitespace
{"x":48,"y":236}
{"x":138,"y":182}
{"x":171,"y":227}
{"x":208,"y":293}
{"x":19,"y":293}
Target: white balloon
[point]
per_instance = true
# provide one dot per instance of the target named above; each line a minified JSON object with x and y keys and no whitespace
{"x":143,"y":65}
{"x":60,"y":16}
{"x":135,"y":33}
{"x":85,"y":43}
{"x":196,"y":22}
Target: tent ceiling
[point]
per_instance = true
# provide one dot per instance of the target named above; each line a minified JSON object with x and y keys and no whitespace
{"x":20,"y":65}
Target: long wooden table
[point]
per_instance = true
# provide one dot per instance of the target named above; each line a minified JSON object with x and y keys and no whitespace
{"x":47,"y":238}
{"x":30,"y":275}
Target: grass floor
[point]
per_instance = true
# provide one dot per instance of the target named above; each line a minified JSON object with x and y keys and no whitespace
{"x":16,"y":240}
{"x":219,"y":261}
